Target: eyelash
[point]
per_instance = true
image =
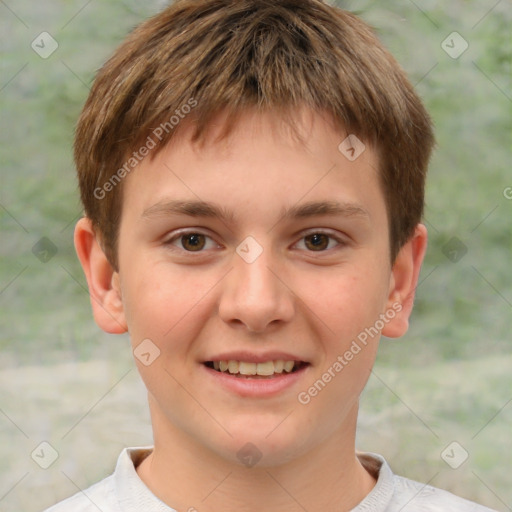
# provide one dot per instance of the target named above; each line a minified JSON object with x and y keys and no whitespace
{"x":181,"y":234}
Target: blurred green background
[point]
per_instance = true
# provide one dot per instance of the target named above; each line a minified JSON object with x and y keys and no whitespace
{"x":64,"y":381}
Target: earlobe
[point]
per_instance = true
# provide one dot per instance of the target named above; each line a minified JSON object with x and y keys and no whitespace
{"x":403,"y":282}
{"x":102,"y":279}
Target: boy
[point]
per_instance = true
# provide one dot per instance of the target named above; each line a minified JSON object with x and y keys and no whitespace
{"x":252,"y":173}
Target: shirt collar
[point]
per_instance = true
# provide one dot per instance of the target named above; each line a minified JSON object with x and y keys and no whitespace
{"x":381,"y":495}
{"x":131,"y":492}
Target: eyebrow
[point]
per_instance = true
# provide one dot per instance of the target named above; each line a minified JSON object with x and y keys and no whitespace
{"x":212,"y":210}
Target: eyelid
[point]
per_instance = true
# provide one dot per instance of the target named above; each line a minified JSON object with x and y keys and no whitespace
{"x":320,"y":231}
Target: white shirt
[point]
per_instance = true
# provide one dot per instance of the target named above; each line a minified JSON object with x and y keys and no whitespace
{"x":124,"y":491}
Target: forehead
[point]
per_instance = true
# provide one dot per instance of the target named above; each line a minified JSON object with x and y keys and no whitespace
{"x":264,"y":165}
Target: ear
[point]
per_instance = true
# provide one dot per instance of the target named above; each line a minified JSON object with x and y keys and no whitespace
{"x":102,"y":279}
{"x":403,"y":283}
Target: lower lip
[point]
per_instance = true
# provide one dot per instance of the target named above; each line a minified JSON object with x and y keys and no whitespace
{"x":248,"y":387}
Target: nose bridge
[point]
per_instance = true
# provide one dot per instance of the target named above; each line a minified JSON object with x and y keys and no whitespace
{"x":254,"y":279}
{"x":253,"y":294}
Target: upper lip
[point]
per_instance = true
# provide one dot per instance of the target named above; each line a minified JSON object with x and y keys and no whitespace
{"x":253,"y":357}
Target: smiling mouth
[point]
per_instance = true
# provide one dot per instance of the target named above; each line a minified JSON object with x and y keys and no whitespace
{"x":266,"y":370}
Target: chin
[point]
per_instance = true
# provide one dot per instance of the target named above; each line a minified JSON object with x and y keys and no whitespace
{"x":262,"y":442}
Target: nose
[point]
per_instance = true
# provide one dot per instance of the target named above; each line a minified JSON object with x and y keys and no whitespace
{"x":254,"y":296}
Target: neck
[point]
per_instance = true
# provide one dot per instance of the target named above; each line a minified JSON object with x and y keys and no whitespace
{"x":187,"y":476}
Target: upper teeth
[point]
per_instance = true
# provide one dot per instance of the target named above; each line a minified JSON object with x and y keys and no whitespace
{"x":244,"y":368}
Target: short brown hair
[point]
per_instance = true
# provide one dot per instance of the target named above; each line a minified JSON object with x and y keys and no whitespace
{"x":229,"y":55}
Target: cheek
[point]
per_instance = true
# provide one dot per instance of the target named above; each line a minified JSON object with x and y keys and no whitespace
{"x":162,"y":309}
{"x":166,"y":305}
{"x":347,"y":304}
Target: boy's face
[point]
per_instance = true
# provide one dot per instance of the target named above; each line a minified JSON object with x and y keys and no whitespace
{"x":285,"y":295}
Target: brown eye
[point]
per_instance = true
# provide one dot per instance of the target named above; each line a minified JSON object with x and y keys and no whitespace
{"x":317,"y":241}
{"x":190,"y":241}
{"x":193,"y":242}
{"x":321,"y":241}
